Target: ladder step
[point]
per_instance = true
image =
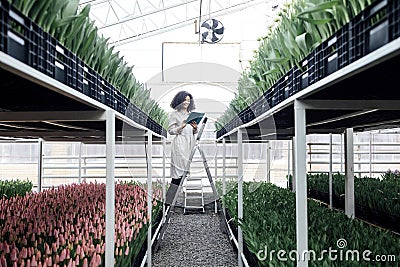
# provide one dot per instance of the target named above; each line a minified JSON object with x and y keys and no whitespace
{"x":193,"y":207}
{"x":194,"y":197}
{"x":193,"y":187}
{"x":194,"y":178}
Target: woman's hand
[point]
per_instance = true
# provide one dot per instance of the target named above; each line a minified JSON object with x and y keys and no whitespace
{"x":194,"y":125}
{"x":183,"y":125}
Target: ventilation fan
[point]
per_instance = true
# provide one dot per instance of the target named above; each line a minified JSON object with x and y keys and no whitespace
{"x":211,"y":31}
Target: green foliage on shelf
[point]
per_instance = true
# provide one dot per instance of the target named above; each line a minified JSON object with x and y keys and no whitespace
{"x":10,"y":188}
{"x":300,"y":27}
{"x":76,"y":31}
{"x":381,"y":195}
{"x":269,"y":222}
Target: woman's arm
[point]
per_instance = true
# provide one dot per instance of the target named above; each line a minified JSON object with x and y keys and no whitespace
{"x":173,"y":127}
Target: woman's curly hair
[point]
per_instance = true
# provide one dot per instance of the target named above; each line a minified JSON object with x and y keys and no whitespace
{"x":179,"y":98}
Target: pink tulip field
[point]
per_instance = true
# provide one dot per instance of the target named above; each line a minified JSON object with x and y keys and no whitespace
{"x":65,"y":226}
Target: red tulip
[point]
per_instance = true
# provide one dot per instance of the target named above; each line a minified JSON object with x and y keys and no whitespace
{"x":63,"y":255}
{"x":127,"y":251}
{"x":13,"y":255}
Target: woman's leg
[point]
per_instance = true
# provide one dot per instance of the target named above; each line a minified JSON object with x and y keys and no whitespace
{"x":172,"y":190}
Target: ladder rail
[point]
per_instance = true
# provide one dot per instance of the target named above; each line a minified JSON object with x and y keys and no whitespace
{"x":184,"y":175}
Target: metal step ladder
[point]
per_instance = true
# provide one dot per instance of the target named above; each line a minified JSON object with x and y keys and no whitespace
{"x":185,"y":176}
{"x":193,"y":196}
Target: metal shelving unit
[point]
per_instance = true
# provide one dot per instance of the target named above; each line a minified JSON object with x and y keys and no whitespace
{"x":357,"y":97}
{"x":40,"y":107}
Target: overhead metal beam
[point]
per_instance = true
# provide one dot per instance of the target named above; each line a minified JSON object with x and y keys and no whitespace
{"x":133,"y":17}
{"x":185,"y":22}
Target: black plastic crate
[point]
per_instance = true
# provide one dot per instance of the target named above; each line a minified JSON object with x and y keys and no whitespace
{"x":283,"y":88}
{"x":63,"y":63}
{"x":246,"y":115}
{"x":259,"y":106}
{"x":122,"y":102}
{"x":302,"y":75}
{"x":16,"y":33}
{"x":332,"y":54}
{"x":134,"y":113}
{"x":268,"y":96}
{"x":86,"y":79}
{"x":153,"y":126}
{"x":394,"y":19}
{"x":40,"y":50}
{"x":143,"y":118}
{"x":105,"y":93}
{"x":374,"y":27}
{"x":3,"y":27}
{"x":221,"y":132}
{"x":111,"y":101}
{"x":164,"y":132}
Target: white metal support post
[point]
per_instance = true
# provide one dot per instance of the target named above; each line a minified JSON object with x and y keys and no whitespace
{"x":301,"y":183}
{"x":294,"y":164}
{"x":80,"y":163}
{"x":330,"y":170}
{"x":149,"y":193}
{"x":223,"y":166}
{"x":268,"y":159}
{"x":216,"y":174}
{"x":370,"y":154}
{"x":349,"y":178}
{"x":341,"y":152}
{"x":164,"y":193}
{"x":288,"y":161}
{"x":40,"y":165}
{"x":240,"y":194}
{"x":110,"y":188}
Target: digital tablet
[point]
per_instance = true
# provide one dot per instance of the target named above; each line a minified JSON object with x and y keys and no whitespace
{"x":195,"y":116}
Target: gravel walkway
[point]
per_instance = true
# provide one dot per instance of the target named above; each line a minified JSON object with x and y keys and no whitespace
{"x":195,"y":240}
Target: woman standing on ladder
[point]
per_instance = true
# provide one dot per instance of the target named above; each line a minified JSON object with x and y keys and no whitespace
{"x":183,"y":141}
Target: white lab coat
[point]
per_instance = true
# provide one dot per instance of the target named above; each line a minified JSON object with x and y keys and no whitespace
{"x":181,"y":145}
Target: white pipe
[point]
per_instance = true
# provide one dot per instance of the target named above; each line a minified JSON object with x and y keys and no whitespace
{"x":232,"y":236}
{"x":110,"y":188}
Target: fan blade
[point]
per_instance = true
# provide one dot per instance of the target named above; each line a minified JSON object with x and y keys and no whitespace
{"x":204,"y":34}
{"x":206,"y":25}
{"x":219,"y":31}
{"x":214,"y":38}
{"x":215,"y":23}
